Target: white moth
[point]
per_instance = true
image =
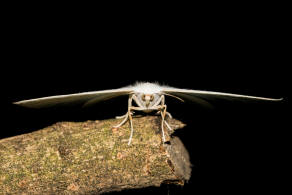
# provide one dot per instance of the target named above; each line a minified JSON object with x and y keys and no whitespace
{"x":147,"y":97}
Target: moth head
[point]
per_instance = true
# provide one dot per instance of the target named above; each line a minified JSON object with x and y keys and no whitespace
{"x":147,"y":100}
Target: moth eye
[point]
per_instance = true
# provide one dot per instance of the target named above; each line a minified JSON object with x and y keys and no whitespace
{"x":152,"y":97}
{"x":143,"y":97}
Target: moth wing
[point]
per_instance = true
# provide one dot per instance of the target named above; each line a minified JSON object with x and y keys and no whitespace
{"x":103,"y":97}
{"x":77,"y":98}
{"x":198,"y":100}
{"x":203,"y":96}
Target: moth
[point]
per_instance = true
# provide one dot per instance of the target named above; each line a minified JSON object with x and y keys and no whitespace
{"x":143,"y":96}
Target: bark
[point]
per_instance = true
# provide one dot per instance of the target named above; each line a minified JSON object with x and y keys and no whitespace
{"x":91,"y":158}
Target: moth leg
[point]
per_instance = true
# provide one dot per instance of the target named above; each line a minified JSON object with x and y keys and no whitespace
{"x":123,"y":116}
{"x":131,"y":126}
{"x":124,"y":121}
{"x":126,"y":115}
{"x":130,"y":113}
{"x":163,"y":121}
{"x":163,"y":113}
{"x":131,"y":108}
{"x":167,"y":125}
{"x":168,"y":114}
{"x":162,"y":110}
{"x":157,"y":113}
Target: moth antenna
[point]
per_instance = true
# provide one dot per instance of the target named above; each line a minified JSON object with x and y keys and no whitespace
{"x":173,"y":96}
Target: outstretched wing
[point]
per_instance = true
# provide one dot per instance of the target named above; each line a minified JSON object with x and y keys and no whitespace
{"x":77,"y":98}
{"x":202,"y":97}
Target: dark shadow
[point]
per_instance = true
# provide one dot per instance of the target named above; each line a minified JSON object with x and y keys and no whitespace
{"x":233,"y":146}
{"x":169,"y":189}
{"x":20,"y":120}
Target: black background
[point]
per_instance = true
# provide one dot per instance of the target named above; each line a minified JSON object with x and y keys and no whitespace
{"x":235,"y":147}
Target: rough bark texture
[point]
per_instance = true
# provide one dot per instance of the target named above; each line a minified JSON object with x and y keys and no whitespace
{"x":91,"y":158}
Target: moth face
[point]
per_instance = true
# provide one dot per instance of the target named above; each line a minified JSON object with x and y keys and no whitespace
{"x":147,"y":100}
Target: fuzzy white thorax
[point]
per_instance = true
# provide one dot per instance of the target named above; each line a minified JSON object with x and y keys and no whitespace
{"x":147,"y":88}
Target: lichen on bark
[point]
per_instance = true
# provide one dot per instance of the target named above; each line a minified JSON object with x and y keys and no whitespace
{"x":91,"y":157}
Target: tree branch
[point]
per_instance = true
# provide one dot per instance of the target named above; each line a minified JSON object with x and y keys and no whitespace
{"x":92,"y":157}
